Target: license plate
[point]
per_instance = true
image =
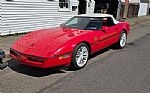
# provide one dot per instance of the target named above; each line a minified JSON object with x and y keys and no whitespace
{"x":21,"y":57}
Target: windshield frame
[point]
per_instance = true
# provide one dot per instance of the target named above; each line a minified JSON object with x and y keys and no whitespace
{"x":84,"y":28}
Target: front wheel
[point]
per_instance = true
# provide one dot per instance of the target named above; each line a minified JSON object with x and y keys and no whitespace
{"x":80,"y":56}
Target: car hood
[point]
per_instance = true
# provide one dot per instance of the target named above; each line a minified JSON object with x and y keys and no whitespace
{"x":46,"y":41}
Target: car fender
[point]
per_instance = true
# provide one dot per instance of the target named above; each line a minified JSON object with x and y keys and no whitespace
{"x":124,"y":26}
{"x":69,"y":46}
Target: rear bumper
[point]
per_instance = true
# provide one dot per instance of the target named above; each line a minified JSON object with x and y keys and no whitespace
{"x":50,"y":62}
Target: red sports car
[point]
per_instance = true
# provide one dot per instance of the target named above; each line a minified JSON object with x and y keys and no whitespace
{"x":71,"y":43}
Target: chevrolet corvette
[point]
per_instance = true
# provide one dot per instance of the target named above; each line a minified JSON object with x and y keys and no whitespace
{"x":71,"y":43}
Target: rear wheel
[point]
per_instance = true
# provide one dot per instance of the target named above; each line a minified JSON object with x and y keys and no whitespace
{"x":122,"y":41}
{"x":80,"y":56}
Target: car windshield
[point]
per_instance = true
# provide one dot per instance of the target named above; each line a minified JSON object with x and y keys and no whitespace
{"x":84,"y":23}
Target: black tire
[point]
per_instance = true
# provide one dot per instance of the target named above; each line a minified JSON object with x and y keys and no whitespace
{"x":74,"y":64}
{"x":118,"y":44}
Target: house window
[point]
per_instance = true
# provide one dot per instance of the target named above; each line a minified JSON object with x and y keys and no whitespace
{"x":9,"y":0}
{"x":63,"y":5}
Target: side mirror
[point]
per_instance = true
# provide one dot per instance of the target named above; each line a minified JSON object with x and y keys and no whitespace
{"x":105,"y":28}
{"x":62,"y":25}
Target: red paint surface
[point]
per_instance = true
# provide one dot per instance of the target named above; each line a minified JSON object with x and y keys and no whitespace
{"x":54,"y":42}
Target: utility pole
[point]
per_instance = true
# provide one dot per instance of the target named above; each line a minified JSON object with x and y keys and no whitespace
{"x":126,"y":9}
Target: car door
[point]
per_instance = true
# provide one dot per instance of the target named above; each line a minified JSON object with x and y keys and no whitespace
{"x":97,"y":37}
{"x":98,"y":40}
{"x":111,"y":30}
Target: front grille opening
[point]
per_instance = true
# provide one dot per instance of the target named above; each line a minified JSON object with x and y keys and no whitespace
{"x":36,"y":59}
{"x":30,"y":57}
{"x":13,"y":52}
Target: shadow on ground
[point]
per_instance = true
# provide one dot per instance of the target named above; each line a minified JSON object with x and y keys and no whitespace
{"x":38,"y":72}
{"x":99,"y":53}
{"x":32,"y":71}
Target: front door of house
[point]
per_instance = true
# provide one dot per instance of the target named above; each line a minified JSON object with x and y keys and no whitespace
{"x":82,"y":7}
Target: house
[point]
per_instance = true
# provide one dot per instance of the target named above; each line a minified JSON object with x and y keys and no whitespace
{"x":19,"y":16}
{"x":118,"y":8}
{"x":129,"y":8}
{"x":133,"y":8}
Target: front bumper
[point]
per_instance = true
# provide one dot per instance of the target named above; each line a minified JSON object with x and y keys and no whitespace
{"x":49,"y":62}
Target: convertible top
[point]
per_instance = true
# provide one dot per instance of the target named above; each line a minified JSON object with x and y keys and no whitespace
{"x":99,"y":15}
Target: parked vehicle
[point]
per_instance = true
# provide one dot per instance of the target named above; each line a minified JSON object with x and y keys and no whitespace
{"x":2,"y":55}
{"x":71,"y":43}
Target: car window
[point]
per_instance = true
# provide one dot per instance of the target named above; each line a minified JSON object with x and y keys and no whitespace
{"x":72,"y":22}
{"x":94,"y":25}
{"x":108,"y":21}
{"x":85,"y":23}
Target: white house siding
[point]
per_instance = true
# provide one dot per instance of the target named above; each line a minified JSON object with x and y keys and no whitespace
{"x":28,"y":15}
{"x":0,"y":17}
